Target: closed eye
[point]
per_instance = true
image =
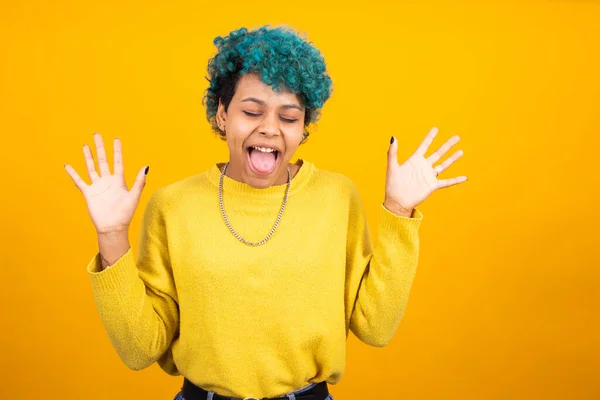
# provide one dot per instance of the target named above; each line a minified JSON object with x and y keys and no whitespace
{"x":258,"y":115}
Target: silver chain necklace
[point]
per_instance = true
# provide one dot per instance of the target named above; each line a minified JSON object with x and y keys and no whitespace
{"x":237,"y":235}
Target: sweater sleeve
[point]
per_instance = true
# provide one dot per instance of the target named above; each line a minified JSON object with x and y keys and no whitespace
{"x":137,"y":302}
{"x":378,"y":281}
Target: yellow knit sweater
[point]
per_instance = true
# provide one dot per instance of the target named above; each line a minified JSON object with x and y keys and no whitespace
{"x":256,"y":321}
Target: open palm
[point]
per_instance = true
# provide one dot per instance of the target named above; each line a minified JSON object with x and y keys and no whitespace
{"x":110,"y":204}
{"x":410,"y":183}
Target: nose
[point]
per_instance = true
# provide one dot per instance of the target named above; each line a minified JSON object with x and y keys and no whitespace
{"x":269,"y":125}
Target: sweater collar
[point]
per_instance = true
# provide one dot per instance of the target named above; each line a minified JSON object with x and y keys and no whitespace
{"x":232,"y":186}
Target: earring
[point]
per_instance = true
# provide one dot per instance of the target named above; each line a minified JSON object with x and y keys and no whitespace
{"x":304,"y":137}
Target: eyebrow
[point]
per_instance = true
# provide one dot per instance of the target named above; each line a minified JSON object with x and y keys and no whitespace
{"x":261,"y":102}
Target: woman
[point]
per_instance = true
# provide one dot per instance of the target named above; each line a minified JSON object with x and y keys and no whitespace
{"x":250,"y":275}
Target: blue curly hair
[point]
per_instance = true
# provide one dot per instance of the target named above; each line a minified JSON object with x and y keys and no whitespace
{"x":282,"y":59}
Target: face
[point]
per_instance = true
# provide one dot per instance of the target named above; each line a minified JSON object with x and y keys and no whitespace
{"x":263,"y":130}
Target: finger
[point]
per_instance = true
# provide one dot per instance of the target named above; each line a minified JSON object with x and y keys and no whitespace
{"x":102,"y":162}
{"x":80,"y":183}
{"x":392,"y":153}
{"x":140,"y":182}
{"x":118,"y":157}
{"x":443,"y":183}
{"x":89,"y":163}
{"x":424,"y":146}
{"x":448,"y":162}
{"x":439,"y":153}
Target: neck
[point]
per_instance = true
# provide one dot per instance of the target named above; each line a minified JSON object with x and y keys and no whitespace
{"x":304,"y":173}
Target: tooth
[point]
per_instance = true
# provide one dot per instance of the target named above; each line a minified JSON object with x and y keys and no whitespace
{"x":264,"y":149}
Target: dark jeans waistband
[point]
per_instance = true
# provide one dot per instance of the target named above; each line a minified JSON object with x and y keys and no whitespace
{"x":314,"y":391}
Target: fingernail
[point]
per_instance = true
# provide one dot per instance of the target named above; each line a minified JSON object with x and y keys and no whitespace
{"x":392,"y":140}
{"x":146,"y":171}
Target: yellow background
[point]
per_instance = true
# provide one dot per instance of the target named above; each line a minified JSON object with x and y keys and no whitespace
{"x":505,"y":302}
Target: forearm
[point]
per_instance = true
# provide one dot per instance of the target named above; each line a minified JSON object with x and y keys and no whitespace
{"x":140,"y":322}
{"x":385,"y":287}
{"x":112,"y":247}
{"x":383,"y":296}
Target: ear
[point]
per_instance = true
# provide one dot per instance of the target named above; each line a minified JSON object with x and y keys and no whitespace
{"x":221,"y":115}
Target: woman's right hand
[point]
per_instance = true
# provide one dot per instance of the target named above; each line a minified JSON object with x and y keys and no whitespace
{"x":110,"y":204}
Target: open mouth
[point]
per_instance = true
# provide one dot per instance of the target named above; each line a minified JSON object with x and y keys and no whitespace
{"x":262,"y":160}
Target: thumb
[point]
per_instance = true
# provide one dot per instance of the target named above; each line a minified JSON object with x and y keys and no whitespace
{"x":140,"y":182}
{"x":392,"y":152}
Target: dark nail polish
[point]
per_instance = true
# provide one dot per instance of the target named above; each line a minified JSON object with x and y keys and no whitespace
{"x":146,"y":171}
{"x":392,"y":140}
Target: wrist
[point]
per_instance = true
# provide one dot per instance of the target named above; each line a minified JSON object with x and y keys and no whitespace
{"x":112,"y":246}
{"x":113,"y":231}
{"x":397,"y":209}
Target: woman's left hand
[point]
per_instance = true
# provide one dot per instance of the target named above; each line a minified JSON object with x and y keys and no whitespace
{"x":409,"y":184}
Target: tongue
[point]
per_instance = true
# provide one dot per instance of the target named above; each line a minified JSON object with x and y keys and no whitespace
{"x":262,"y":162}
